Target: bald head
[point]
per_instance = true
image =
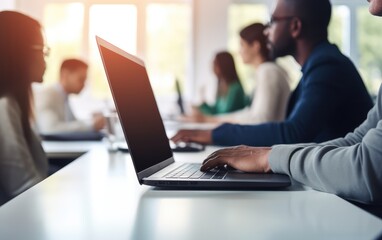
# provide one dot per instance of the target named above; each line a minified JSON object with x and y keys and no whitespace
{"x":314,"y":14}
{"x":375,"y":7}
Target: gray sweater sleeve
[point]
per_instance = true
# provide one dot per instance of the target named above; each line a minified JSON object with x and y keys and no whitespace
{"x":350,"y":167}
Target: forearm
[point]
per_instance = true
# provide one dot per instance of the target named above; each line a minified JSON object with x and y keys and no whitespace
{"x":352,"y":172}
{"x":262,"y":135}
{"x":232,"y":134}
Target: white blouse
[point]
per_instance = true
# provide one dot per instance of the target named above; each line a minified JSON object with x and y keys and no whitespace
{"x":270,"y":100}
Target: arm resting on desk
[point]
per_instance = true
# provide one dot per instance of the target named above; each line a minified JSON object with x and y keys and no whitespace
{"x":350,"y":167}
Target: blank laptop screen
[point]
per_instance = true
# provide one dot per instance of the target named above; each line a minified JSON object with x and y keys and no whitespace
{"x":137,"y":108}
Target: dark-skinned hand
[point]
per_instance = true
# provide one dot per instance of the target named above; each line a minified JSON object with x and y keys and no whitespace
{"x":243,"y":158}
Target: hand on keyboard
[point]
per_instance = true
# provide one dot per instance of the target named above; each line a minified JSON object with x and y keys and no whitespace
{"x":192,"y":171}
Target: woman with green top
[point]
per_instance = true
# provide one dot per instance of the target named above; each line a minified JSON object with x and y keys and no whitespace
{"x":230,"y":93}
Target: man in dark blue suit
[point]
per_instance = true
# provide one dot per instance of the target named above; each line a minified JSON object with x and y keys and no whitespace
{"x":330,"y":99}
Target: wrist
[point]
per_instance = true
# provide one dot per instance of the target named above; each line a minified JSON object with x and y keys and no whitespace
{"x":209,"y":136}
{"x":267,"y":166}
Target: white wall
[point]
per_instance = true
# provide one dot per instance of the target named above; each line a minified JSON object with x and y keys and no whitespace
{"x":209,"y":36}
{"x":7,"y":5}
{"x":32,"y":8}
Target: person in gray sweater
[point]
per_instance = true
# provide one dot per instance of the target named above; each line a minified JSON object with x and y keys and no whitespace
{"x":350,"y":167}
{"x":23,"y":162}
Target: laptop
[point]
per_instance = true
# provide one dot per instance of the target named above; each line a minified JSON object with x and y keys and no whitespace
{"x":180,"y":97}
{"x":148,"y":143}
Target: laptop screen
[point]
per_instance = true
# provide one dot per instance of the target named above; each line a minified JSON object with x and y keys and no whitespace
{"x":137,"y":108}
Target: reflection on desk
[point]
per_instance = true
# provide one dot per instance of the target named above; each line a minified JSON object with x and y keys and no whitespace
{"x":74,"y":136}
{"x":98,"y":197}
{"x":69,"y":149}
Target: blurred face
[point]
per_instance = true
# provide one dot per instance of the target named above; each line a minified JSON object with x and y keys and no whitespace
{"x":280,"y":40}
{"x":74,"y":81}
{"x":375,"y":7}
{"x":248,"y":52}
{"x":38,"y":65}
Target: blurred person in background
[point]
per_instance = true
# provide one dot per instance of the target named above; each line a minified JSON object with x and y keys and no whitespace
{"x":350,"y":167}
{"x":230,"y":95}
{"x":270,"y":98}
{"x":22,"y":50}
{"x":330,"y":99}
{"x":55,"y":114}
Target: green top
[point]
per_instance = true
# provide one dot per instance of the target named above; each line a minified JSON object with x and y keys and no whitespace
{"x":234,"y":100}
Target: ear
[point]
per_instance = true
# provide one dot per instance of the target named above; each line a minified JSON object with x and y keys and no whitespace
{"x":256,"y":46}
{"x":296,"y":27}
{"x":63,"y":73}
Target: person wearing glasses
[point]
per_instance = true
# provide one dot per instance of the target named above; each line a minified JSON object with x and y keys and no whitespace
{"x":55,"y":114}
{"x":330,"y":99}
{"x":350,"y":167}
{"x":22,"y":50}
{"x":270,"y":98}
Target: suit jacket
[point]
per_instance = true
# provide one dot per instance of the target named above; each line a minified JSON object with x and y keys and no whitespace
{"x":329,"y":101}
{"x":53,"y":113}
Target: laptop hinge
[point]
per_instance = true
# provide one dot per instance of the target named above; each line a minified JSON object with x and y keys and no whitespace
{"x":153,"y":169}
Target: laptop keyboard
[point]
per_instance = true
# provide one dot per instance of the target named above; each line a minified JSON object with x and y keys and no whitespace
{"x":192,"y":171}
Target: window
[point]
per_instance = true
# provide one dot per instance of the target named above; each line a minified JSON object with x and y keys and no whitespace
{"x":162,"y":39}
{"x":339,"y":29}
{"x":63,"y":27}
{"x":161,"y":32}
{"x":168,"y":34}
{"x":369,"y":43}
{"x":116,"y":23}
{"x":240,"y":16}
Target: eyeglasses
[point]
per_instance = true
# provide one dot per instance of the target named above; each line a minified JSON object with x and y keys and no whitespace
{"x":45,"y":49}
{"x":278,"y":19}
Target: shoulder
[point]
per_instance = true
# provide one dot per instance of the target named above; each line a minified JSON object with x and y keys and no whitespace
{"x":10,"y":115}
{"x":328,"y":64}
{"x":235,"y":86}
{"x":235,"y":89}
{"x":48,"y":95}
{"x":327,"y":56}
{"x":51,"y":90}
{"x":271,"y":71}
{"x":9,"y":107}
{"x":269,"y":66}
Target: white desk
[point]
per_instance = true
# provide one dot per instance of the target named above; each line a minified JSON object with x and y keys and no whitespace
{"x":98,"y":197}
{"x":69,"y":149}
{"x":74,"y":149}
